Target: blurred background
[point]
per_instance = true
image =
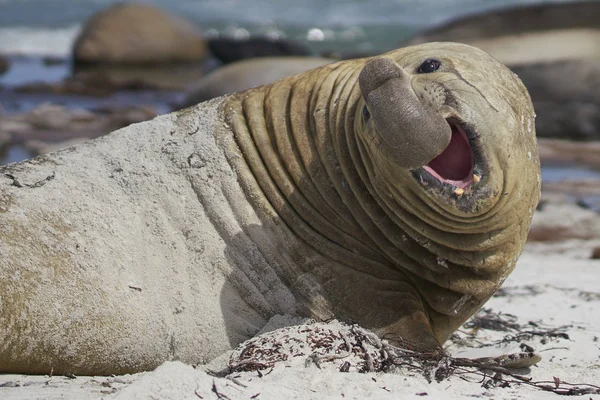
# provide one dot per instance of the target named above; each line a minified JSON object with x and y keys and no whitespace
{"x":71,"y":70}
{"x":49,"y":27}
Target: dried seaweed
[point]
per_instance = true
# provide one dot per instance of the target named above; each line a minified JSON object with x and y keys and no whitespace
{"x":378,"y":355}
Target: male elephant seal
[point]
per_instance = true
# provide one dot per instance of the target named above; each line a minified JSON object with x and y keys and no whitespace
{"x":395,"y":192}
{"x":414,"y":175}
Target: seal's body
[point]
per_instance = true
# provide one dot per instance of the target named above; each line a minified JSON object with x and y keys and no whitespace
{"x":395,"y":192}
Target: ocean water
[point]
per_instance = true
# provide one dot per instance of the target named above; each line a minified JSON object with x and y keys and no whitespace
{"x":33,"y":28}
{"x":48,"y":27}
{"x":558,"y":173}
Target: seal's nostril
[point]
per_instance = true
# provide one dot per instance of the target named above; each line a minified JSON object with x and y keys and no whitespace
{"x":366,"y":114}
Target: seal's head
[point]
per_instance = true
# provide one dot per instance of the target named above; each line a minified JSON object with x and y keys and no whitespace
{"x":447,"y":139}
{"x":451,"y":119}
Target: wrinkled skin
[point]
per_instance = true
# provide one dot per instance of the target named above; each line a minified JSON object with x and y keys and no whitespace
{"x":418,"y":257}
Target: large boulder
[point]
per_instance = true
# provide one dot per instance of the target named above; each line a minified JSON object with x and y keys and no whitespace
{"x":484,"y":29}
{"x":566,"y":152}
{"x":105,"y":80}
{"x":132,"y":33}
{"x":566,"y":96}
{"x":560,"y":220}
{"x":229,"y":50}
{"x":247,"y":74}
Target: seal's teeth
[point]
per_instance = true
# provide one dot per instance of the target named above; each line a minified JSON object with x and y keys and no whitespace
{"x":476,"y":178}
{"x":459,"y":192}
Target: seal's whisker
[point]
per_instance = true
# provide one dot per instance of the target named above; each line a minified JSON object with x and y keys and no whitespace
{"x":451,"y":79}
{"x":445,"y":83}
{"x":436,"y":79}
{"x":465,"y":102}
{"x":463,"y":90}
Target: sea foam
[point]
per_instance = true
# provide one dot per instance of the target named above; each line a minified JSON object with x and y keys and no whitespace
{"x":24,"y":40}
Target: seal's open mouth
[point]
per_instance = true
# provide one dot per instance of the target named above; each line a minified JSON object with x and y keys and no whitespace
{"x":455,"y":164}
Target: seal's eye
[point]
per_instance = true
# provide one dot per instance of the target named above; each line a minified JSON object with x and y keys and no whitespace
{"x":366,"y":114}
{"x":430,"y":65}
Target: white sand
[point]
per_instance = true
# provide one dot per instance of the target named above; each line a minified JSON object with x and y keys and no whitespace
{"x":553,"y":287}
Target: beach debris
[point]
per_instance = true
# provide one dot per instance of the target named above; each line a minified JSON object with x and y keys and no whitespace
{"x":351,"y":348}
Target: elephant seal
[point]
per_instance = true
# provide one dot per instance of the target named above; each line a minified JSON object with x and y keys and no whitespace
{"x":415,"y":174}
{"x":395,"y":192}
{"x":246,"y":74}
{"x":555,"y":50}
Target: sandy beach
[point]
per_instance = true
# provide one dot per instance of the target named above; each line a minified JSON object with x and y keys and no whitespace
{"x":549,"y":303}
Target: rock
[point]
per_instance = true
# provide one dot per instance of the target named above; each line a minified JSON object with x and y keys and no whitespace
{"x":566,"y":97}
{"x":229,"y":50}
{"x":42,"y":128}
{"x":510,"y":22}
{"x":595,"y":253}
{"x":554,"y":151}
{"x":562,"y":221}
{"x":4,"y":65}
{"x":54,"y":60}
{"x":100,"y":81}
{"x":570,"y":119}
{"x":585,"y":193}
{"x":246,"y":74}
{"x":142,"y":77}
{"x":574,"y":188}
{"x":4,"y":139}
{"x":136,"y":33}
{"x":94,"y":84}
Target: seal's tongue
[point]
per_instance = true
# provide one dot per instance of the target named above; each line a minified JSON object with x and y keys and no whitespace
{"x":455,"y":164}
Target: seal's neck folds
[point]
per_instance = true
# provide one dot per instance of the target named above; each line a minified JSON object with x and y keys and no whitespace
{"x":297,"y":138}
